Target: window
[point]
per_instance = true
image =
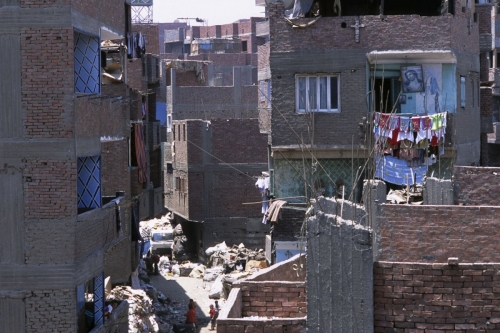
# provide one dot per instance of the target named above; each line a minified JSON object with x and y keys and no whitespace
{"x":89,"y":183}
{"x":184,"y":132}
{"x":262,"y":91}
{"x":462,"y":91}
{"x":317,"y":93}
{"x":269,"y":89}
{"x":87,"y":64}
{"x":169,"y":124}
{"x":179,"y":184}
{"x":244,"y":46}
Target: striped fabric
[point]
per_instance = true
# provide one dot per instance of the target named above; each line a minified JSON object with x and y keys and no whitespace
{"x":140,"y":153}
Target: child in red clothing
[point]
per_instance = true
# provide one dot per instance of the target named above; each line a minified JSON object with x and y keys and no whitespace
{"x":212,"y":317}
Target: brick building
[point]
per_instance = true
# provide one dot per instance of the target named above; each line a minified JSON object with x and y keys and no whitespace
{"x":490,"y":82}
{"x":211,"y":175}
{"x":332,"y":73}
{"x":73,"y":166}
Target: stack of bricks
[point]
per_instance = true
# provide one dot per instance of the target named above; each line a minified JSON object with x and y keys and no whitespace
{"x":274,"y":299}
{"x":411,"y":297}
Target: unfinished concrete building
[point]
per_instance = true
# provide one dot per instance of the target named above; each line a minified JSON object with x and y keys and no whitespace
{"x":73,"y":162}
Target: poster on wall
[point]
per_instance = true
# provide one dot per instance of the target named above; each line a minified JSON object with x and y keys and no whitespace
{"x":430,"y":101}
{"x":413,"y":80}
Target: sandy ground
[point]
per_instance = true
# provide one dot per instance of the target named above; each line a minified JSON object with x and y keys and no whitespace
{"x":181,"y":290}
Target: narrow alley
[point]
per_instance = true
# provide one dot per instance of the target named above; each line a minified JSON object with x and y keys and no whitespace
{"x":180,"y":290}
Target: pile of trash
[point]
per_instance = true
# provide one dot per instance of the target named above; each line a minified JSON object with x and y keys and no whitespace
{"x":234,"y":258}
{"x":411,"y":195}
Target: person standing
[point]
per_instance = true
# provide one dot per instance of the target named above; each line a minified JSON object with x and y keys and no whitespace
{"x":212,"y":317}
{"x":191,"y":316}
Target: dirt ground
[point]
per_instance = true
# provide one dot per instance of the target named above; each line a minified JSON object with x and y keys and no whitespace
{"x":181,"y":290}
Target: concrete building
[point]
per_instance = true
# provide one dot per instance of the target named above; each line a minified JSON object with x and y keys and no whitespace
{"x":73,"y":163}
{"x":335,"y":72}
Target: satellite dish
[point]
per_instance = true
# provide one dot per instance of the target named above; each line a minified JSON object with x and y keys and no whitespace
{"x":288,"y":3}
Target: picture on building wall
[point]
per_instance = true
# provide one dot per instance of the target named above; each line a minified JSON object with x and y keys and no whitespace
{"x":412,"y":78}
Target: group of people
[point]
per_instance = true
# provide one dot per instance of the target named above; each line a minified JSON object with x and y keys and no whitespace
{"x":191,"y":314}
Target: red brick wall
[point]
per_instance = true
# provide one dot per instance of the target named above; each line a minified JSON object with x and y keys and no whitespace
{"x":486,"y":102}
{"x":438,"y":298}
{"x":228,"y":188}
{"x":112,"y":12}
{"x":484,"y":18}
{"x":42,"y":3}
{"x":50,"y":189}
{"x":475,"y":186}
{"x":150,"y":31}
{"x":114,"y":168}
{"x":435,"y":233}
{"x":47,"y":77}
{"x":274,"y":299}
{"x":134,"y":75}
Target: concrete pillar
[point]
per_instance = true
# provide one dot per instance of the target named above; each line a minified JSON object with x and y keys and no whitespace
{"x":438,"y":192}
{"x":210,"y":74}
{"x":339,"y":275}
{"x":374,"y":194}
{"x":237,"y":92}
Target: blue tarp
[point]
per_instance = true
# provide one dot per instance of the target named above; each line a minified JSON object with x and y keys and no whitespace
{"x":396,"y":171}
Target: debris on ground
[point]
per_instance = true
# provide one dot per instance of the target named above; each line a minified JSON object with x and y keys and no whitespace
{"x":151,"y":312}
{"x":410,"y":195}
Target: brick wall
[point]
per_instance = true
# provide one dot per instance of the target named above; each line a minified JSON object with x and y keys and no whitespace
{"x":118,"y":261}
{"x":150,"y":31}
{"x":47,"y":77}
{"x":413,"y":297}
{"x":51,"y":311}
{"x":115,"y":174}
{"x":310,"y":50}
{"x":274,"y":299}
{"x":484,"y":18}
{"x":214,"y":189}
{"x":112,"y":12}
{"x":49,"y":242}
{"x":435,"y":233}
{"x":134,"y":75}
{"x":50,"y":189}
{"x":477,"y":186}
{"x":290,"y":224}
{"x":95,"y":229}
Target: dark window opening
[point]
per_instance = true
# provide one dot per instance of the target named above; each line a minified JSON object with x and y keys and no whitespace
{"x":244,"y":46}
{"x":386,"y":92}
{"x":377,"y":7}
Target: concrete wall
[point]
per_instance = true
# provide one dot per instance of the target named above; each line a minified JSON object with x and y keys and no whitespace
{"x":436,"y":297}
{"x":438,"y":192}
{"x":340,"y":274}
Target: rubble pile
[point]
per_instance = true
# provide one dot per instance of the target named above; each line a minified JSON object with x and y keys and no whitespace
{"x":141,"y":315}
{"x":234,"y":258}
{"x":157,"y":223}
{"x":410,"y":195}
